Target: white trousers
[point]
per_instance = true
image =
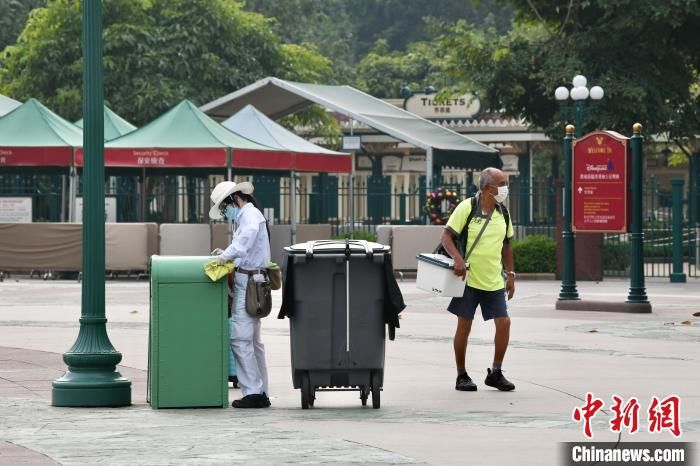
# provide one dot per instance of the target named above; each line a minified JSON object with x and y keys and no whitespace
{"x":246,"y":343}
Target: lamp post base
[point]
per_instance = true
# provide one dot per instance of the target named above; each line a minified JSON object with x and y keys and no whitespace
{"x":91,"y":387}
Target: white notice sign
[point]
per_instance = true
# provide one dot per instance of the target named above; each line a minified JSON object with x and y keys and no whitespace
{"x":352,"y":143}
{"x":15,"y":210}
{"x":110,"y":210}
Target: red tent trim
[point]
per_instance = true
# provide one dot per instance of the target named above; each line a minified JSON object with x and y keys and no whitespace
{"x":36,"y":156}
{"x":177,"y":157}
{"x":281,"y":160}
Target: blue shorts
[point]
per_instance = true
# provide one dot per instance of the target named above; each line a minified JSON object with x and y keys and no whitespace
{"x":493,"y":304}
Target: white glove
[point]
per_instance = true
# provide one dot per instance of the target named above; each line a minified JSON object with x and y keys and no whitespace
{"x":216,"y":252}
{"x":221,"y":260}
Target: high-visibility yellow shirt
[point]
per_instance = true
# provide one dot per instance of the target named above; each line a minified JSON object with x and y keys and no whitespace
{"x":485,"y":265}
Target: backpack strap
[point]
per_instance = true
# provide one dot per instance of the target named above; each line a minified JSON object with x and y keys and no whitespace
{"x":465,"y":229}
{"x":506,"y":217}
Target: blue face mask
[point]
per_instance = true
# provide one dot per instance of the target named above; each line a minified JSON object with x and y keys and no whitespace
{"x":232,"y":212}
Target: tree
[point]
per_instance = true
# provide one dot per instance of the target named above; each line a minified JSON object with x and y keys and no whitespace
{"x":383,"y":73}
{"x":347,"y":30}
{"x":13,"y":16}
{"x":156,"y":53}
{"x":324,"y":23}
{"x":644,"y":54}
{"x":402,"y":22}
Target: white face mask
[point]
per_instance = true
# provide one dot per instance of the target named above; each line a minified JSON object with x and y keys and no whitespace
{"x":502,"y":194}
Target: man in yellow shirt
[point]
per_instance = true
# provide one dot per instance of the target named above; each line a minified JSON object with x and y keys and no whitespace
{"x":489,"y":258}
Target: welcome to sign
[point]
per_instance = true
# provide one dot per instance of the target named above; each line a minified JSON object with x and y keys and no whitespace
{"x":600,"y":183}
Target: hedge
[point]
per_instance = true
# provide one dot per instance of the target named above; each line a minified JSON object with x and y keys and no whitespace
{"x":535,"y":254}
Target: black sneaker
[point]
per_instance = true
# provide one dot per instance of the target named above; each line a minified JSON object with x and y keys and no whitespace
{"x":234,"y":380}
{"x":252,"y":401}
{"x":497,"y":380}
{"x":465,"y":384}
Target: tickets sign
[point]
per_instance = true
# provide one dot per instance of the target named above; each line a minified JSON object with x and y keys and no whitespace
{"x":600,"y":183}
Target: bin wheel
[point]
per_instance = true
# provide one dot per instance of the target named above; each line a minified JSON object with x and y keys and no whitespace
{"x":306,"y":391}
{"x":376,"y":390}
{"x":364,"y":394}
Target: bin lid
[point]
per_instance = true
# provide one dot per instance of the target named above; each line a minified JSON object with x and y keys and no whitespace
{"x":179,"y":269}
{"x":337,"y":247}
{"x":438,"y":260}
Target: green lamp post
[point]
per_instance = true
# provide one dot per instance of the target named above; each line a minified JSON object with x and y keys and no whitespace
{"x":568,"y":290}
{"x":91,"y":378}
{"x":579,"y":94}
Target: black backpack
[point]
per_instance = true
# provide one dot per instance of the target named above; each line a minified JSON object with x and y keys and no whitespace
{"x":461,"y":240}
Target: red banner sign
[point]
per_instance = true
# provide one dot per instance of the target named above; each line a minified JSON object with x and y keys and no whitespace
{"x":599,"y":189}
{"x":36,"y":156}
{"x":148,"y":158}
{"x":279,"y":160}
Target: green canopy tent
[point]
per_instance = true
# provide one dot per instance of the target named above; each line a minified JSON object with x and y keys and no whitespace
{"x":34,"y":139}
{"x":115,"y":126}
{"x":7,"y":105}
{"x":303,"y":155}
{"x":182,"y":140}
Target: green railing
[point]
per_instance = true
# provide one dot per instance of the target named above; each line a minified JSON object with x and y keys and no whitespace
{"x":369,"y":203}
{"x":658,"y":238}
{"x":46,"y":192}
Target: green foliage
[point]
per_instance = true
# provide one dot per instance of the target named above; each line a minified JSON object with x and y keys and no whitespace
{"x":346,"y":30}
{"x":156,"y":53}
{"x":535,"y":254}
{"x":358,"y":234}
{"x":646,"y":57}
{"x":13,"y":16}
{"x":402,"y":22}
{"x":324,"y":23}
{"x":382,"y":73}
{"x":616,"y":256}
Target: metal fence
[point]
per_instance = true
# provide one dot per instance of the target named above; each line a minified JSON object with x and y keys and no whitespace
{"x":658,"y":238}
{"x":46,"y":193}
{"x":369,"y":202}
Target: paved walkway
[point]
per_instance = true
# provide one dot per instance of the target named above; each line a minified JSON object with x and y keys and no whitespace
{"x":555,"y":357}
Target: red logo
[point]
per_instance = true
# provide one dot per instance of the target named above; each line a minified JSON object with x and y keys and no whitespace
{"x":662,"y":415}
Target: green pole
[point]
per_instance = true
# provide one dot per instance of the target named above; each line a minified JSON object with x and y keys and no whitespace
{"x":568,"y":290}
{"x":578,"y":117}
{"x":637,"y":293}
{"x":91,"y":378}
{"x":677,"y":276}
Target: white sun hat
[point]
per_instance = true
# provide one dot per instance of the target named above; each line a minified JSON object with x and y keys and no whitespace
{"x":222,"y":191}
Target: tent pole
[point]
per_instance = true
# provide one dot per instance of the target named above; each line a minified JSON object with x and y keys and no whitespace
{"x":72,"y":194}
{"x":229,"y":177}
{"x":352,"y":186}
{"x":428,"y":175}
{"x":293,"y":205}
{"x":229,"y":169}
{"x":64,"y":194}
{"x":142,"y":188}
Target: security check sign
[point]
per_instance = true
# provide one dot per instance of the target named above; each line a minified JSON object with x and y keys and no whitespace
{"x":600,"y":183}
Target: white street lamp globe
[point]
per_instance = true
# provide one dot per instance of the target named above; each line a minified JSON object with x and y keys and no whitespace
{"x":583,"y":93}
{"x":561,"y":93}
{"x":597,"y":93}
{"x":580,"y":81}
{"x":575,"y":93}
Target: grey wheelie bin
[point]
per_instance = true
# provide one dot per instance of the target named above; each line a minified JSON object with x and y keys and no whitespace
{"x":337,"y":328}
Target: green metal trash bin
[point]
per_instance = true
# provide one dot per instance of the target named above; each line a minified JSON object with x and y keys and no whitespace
{"x":188,"y":341}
